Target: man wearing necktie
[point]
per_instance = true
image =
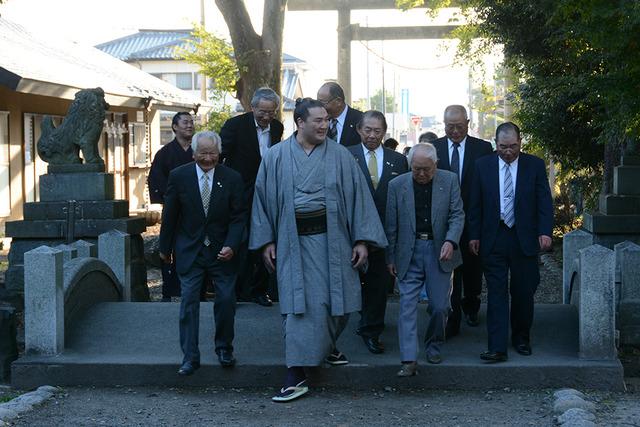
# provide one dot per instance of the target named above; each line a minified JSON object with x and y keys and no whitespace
{"x":205,"y":214}
{"x":457,"y":152}
{"x":510,"y":221}
{"x":246,"y":138}
{"x":379,"y":166}
{"x":343,"y":119}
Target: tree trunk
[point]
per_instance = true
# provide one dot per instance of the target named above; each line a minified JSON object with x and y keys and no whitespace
{"x":259,"y":58}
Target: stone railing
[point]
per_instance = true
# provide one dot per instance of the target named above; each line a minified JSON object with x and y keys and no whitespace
{"x":604,"y":286}
{"x":62,"y":282}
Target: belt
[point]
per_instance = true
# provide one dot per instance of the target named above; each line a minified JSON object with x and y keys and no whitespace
{"x":424,"y":236}
{"x":309,"y":223}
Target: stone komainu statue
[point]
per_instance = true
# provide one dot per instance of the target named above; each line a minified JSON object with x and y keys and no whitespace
{"x":80,"y":130}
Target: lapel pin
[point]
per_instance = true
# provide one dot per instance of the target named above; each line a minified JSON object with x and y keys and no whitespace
{"x":219,"y":184}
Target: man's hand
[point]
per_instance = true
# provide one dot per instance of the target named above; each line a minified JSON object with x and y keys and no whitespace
{"x":474,"y":246}
{"x":269,"y":257}
{"x":225,"y":254}
{"x":446,"y":252}
{"x":392,"y":270}
{"x":359,"y":255}
{"x":545,"y":242}
{"x":165,"y":258}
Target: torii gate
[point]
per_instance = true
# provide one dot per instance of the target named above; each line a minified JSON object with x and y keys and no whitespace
{"x":348,"y":32}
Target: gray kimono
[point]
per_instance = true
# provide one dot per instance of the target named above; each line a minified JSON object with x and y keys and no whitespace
{"x":351,"y":217}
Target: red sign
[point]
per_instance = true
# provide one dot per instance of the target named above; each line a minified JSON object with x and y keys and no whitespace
{"x":416,"y":120}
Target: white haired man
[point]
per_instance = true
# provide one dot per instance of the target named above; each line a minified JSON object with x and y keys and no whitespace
{"x":424,"y":222}
{"x":205,"y":215}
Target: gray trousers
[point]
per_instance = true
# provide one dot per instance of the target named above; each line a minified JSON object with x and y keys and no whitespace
{"x":424,"y":270}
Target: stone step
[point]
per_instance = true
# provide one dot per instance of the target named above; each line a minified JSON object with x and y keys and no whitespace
{"x":137,"y":344}
{"x":599,"y":223}
{"x":86,"y":209}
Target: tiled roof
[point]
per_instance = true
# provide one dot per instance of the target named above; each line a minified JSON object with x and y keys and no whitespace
{"x":157,"y":44}
{"x":30,"y":64}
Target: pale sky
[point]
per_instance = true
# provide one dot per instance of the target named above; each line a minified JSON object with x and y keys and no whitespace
{"x":421,"y":66}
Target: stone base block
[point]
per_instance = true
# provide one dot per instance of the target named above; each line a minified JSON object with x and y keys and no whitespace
{"x":628,"y":322}
{"x":598,"y":223}
{"x":56,"y":229}
{"x":76,"y":168}
{"x":8,"y":344}
{"x":104,"y":209}
{"x":625,"y":180}
{"x":76,"y":186}
{"x":610,"y":204}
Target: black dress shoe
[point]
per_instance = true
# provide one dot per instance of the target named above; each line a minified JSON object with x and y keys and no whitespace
{"x":263,"y":300}
{"x":451,"y":331}
{"x":188,"y":368}
{"x":373,"y":345}
{"x":472,"y":319}
{"x":225,"y":357}
{"x":523,"y":349}
{"x":493,"y":356}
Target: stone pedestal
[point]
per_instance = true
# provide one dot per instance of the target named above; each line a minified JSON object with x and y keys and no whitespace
{"x":618,"y":220}
{"x":618,"y":216}
{"x":73,"y":206}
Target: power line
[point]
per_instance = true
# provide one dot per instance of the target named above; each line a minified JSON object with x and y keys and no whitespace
{"x":406,"y":67}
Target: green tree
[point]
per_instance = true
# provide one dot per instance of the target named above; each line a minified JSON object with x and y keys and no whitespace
{"x":258,"y":57}
{"x":577,"y":68}
{"x":376,"y":102}
{"x":214,"y":56}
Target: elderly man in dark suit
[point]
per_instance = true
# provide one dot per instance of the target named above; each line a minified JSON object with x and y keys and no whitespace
{"x":343,"y":120}
{"x":510,"y":221}
{"x":424,"y":222}
{"x":245,"y":140}
{"x":379,"y":166}
{"x":457,"y":152}
{"x":205,"y":215}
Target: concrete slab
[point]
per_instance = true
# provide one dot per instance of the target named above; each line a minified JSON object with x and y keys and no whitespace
{"x":101,"y":352}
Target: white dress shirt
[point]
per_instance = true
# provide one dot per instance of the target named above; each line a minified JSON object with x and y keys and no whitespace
{"x":200,"y":172}
{"x":264,"y":138}
{"x":513,"y":168}
{"x":379,"y":157}
{"x":460,"y":152}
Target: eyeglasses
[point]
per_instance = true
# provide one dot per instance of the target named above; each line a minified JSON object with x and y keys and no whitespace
{"x":328,"y":101}
{"x":269,"y":113}
{"x":456,"y":126}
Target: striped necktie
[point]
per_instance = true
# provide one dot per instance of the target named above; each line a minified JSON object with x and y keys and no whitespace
{"x":333,"y":129}
{"x":508,"y":215}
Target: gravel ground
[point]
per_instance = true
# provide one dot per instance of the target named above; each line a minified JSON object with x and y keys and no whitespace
{"x":234,"y":407}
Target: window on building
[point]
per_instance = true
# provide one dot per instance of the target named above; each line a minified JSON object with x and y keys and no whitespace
{"x":184,"y":81}
{"x":5,"y":193}
{"x":138,"y":144}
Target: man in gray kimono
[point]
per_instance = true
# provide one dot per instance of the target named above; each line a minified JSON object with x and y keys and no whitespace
{"x":313,"y":218}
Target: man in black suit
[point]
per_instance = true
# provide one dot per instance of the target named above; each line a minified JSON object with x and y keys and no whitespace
{"x":205,"y":215}
{"x":510,"y":221}
{"x":379,"y":165}
{"x":343,"y":119}
{"x":245,"y":140}
{"x":176,"y":153}
{"x":457,"y":152}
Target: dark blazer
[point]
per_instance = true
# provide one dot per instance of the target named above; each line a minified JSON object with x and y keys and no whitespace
{"x":240,"y":149}
{"x":474,"y":148}
{"x":183,"y":217}
{"x":350,"y":135}
{"x":533,"y":205}
{"x":393,"y":164}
